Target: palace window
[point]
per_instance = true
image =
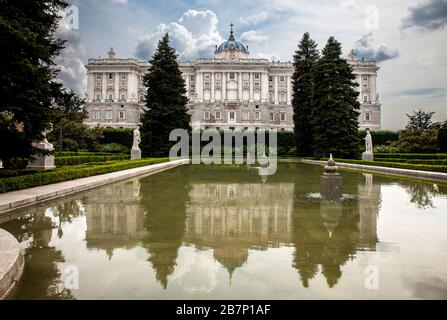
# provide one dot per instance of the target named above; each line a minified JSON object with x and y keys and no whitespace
{"x":110,"y":97}
{"x":123,"y":76}
{"x":207,"y":76}
{"x":193,"y":78}
{"x":257,"y":115}
{"x":98,"y":76}
{"x":365,"y":98}
{"x":123,"y":83}
{"x":218,"y":115}
{"x":122,"y":114}
{"x":98,"y":83}
{"x":257,"y":75}
{"x":123,"y":97}
{"x":365,"y":78}
{"x":367,"y":116}
{"x":281,"y":78}
{"x":141,"y":98}
{"x":96,"y":114}
{"x":232,"y":76}
{"x":271,"y":116}
{"x":231,"y":115}
{"x":246,"y":115}
{"x":283,"y":117}
{"x":110,"y":76}
{"x":282,"y":98}
{"x":270,"y":78}
{"x":98,"y":97}
{"x":206,"y":115}
{"x":109,"y":115}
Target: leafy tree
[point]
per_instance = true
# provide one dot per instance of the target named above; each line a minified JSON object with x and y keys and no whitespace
{"x":165,"y":101}
{"x":305,"y":57}
{"x":421,"y":120}
{"x":27,"y":89}
{"x":334,"y":116}
{"x":69,"y":110}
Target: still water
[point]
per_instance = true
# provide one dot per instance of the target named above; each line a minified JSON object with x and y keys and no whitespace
{"x":224,"y":232}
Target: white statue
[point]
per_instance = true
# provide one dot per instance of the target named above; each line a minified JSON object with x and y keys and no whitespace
{"x":136,"y":139}
{"x":368,"y":142}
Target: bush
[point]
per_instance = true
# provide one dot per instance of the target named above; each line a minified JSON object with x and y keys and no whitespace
{"x":115,"y":148}
{"x":421,"y":141}
{"x":412,"y":155}
{"x":384,"y":149}
{"x":382,"y":137}
{"x":120,"y":136}
{"x":442,"y":139}
{"x":82,"y":153}
{"x":75,"y":160}
{"x":415,"y":161}
{"x":423,"y":167}
{"x":70,"y":173}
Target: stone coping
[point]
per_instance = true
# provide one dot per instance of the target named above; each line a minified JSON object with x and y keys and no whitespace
{"x":14,"y":200}
{"x":11,"y":264}
{"x":425,"y":175}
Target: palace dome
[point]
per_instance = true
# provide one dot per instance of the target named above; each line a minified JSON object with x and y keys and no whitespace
{"x":232,"y":43}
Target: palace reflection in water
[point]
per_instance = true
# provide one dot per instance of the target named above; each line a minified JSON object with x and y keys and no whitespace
{"x":229,"y":211}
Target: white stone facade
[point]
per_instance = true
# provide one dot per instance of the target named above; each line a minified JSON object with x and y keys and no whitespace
{"x":230,"y":90}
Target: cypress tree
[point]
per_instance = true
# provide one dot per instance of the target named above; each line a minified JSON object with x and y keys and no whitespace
{"x":335,"y":106}
{"x":27,"y":87}
{"x":165,"y":101}
{"x":305,"y":57}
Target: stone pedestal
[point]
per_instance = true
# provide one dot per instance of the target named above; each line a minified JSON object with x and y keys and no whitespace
{"x":135,"y":154}
{"x":331,"y":186}
{"x":42,"y":162}
{"x":367,"y":156}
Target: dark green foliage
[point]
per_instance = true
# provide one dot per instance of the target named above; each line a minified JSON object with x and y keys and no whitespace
{"x":382,"y":137}
{"x":442,"y":139}
{"x":82,"y":153}
{"x":305,"y":57}
{"x":415,"y":141}
{"x":423,"y":167}
{"x":412,"y":155}
{"x":121,"y":136}
{"x":75,"y":160}
{"x":165,"y":101}
{"x":27,"y":89}
{"x":442,"y":162}
{"x":334,"y":117}
{"x":70,"y":173}
{"x":76,"y":137}
{"x":421,"y":120}
{"x":115,"y":148}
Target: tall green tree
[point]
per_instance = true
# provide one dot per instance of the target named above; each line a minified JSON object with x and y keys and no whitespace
{"x":335,"y":106}
{"x":27,"y":89}
{"x":305,"y":57}
{"x":165,"y":101}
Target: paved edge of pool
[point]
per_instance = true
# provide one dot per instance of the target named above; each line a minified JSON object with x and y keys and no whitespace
{"x":12,"y":264}
{"x":426,"y":175}
{"x":11,"y":201}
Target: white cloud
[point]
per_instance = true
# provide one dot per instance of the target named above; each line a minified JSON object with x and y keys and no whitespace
{"x":119,"y":1}
{"x":379,"y":53}
{"x":194,"y":35}
{"x":268,"y":56}
{"x":70,"y":62}
{"x":254,"y":19}
{"x":253,"y":37}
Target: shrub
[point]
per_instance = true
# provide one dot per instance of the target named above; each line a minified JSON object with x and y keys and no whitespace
{"x":70,"y":173}
{"x":423,"y":141}
{"x":412,"y":155}
{"x":120,"y":136}
{"x":74,"y":160}
{"x":382,"y":137}
{"x":384,"y":149}
{"x":423,"y":167}
{"x":442,"y":139}
{"x":115,"y":148}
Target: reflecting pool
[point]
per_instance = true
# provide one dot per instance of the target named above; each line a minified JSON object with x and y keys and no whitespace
{"x":225,"y":232}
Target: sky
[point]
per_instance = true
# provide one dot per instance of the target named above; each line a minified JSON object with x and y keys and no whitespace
{"x":408,"y":39}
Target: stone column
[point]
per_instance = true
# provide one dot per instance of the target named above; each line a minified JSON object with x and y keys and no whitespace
{"x":91,"y":82}
{"x":276,"y":89}
{"x":289,"y":90}
{"x":264,"y":86}
{"x":199,"y":86}
{"x":104,"y":87}
{"x":224,"y":86}
{"x":187,"y":85}
{"x":212,"y":87}
{"x":251,"y":86}
{"x":117,"y":86}
{"x":239,"y":91}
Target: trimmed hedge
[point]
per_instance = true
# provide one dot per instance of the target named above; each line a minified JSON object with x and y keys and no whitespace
{"x":82,"y":153}
{"x":382,"y":137}
{"x":411,"y":155}
{"x":70,"y":173}
{"x":75,"y":160}
{"x":422,"y":167}
{"x":442,"y":162}
{"x":115,"y":135}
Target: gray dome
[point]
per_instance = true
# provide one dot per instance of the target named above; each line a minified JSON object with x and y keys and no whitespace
{"x":231,"y":43}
